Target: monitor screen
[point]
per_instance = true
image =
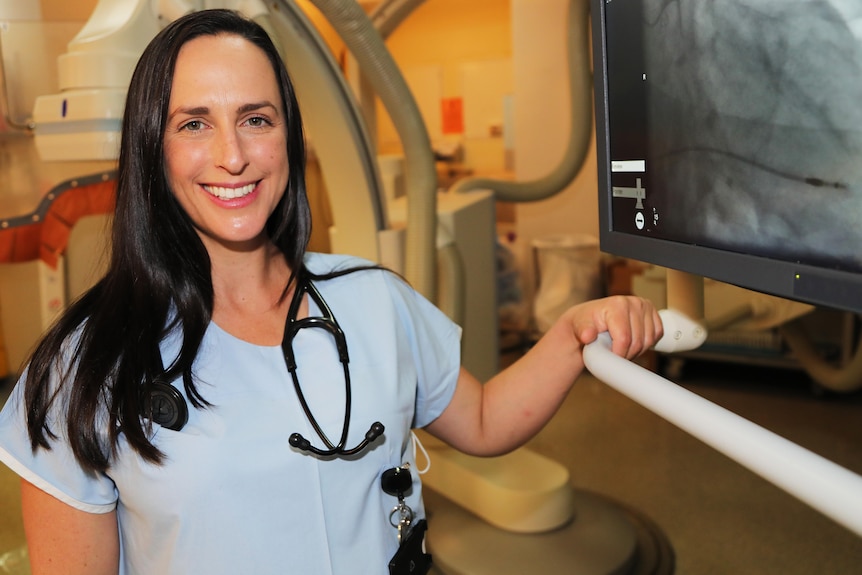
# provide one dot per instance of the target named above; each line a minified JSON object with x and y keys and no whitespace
{"x":730,"y":141}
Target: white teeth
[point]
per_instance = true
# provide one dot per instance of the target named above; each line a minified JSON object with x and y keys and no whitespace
{"x":229,"y":193}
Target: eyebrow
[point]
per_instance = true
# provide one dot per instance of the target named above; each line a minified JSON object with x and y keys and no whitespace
{"x":203,"y":110}
{"x":256,"y":106}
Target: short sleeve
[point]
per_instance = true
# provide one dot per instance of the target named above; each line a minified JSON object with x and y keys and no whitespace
{"x":55,"y":470}
{"x":435,"y":342}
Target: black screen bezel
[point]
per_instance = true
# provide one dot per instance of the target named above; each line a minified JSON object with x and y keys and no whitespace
{"x":824,"y":287}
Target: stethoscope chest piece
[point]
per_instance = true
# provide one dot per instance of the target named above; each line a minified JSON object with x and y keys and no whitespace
{"x":167,"y":406}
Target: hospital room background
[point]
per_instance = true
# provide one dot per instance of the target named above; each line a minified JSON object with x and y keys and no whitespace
{"x":492,"y":83}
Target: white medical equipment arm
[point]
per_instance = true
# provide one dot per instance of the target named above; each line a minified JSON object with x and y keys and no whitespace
{"x":681,"y":333}
{"x":82,"y":122}
{"x":827,"y":487}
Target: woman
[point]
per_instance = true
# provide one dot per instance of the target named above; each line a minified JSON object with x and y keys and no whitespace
{"x":204,"y":306}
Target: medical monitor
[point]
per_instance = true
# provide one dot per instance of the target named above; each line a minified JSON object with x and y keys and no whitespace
{"x":729,"y":141}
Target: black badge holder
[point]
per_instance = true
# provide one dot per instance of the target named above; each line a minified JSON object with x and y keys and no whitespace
{"x":411,"y":559}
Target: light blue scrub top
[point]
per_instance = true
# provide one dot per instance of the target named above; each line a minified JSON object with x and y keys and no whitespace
{"x":233,"y":496}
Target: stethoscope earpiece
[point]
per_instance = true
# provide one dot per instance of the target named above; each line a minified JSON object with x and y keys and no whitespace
{"x":375,"y":431}
{"x":297,"y":441}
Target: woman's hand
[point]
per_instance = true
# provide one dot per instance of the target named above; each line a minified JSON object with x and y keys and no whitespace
{"x":632,"y":322}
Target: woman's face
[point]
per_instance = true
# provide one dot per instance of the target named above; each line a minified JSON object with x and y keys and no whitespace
{"x":225,"y":148}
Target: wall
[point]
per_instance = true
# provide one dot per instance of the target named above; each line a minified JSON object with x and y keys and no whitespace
{"x":541,"y":128}
{"x":458,"y":53}
{"x":67,"y":9}
{"x":19,"y":10}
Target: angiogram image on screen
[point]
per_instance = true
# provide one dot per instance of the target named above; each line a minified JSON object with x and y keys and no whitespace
{"x":754,"y":115}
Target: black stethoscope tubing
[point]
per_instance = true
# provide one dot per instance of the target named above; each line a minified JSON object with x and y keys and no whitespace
{"x":328,"y":322}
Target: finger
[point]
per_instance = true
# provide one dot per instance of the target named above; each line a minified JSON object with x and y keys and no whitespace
{"x":622,"y":325}
{"x":652,"y":327}
{"x":658,"y":327}
{"x":638,"y":329}
{"x":641,"y":329}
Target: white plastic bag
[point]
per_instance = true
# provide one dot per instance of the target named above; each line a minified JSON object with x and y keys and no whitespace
{"x":568,"y":271}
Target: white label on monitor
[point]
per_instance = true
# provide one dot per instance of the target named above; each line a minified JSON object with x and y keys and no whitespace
{"x":628,"y":166}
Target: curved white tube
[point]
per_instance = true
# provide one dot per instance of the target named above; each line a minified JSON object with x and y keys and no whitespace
{"x":841,"y":379}
{"x":827,"y":487}
{"x":580,"y":121}
{"x":366,"y":45}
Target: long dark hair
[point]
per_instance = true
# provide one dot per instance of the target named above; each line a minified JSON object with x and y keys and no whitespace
{"x":159,"y":279}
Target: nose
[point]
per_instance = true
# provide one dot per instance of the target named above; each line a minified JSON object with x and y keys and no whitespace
{"x":229,"y":152}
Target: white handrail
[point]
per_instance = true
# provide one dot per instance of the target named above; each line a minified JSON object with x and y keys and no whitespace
{"x":827,"y":487}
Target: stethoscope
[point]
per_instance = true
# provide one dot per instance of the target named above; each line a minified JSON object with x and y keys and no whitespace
{"x":327,"y":322}
{"x":168,"y":407}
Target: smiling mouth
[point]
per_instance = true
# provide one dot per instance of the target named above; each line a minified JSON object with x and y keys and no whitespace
{"x":230,"y":193}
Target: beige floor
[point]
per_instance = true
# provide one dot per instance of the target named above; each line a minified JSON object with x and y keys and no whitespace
{"x":719,"y":517}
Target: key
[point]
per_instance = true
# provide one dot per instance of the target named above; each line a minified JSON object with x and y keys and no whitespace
{"x":405,"y":520}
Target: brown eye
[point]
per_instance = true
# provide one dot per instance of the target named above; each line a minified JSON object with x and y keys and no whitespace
{"x":258,"y":122}
{"x":193,"y":126}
